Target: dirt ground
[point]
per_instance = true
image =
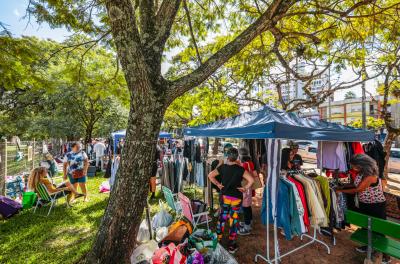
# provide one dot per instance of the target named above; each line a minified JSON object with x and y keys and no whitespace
{"x":344,"y":251}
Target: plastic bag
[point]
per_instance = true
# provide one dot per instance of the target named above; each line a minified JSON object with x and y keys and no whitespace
{"x":170,"y":254}
{"x":104,"y":187}
{"x":144,"y":232}
{"x":144,"y":252}
{"x":162,"y":218}
{"x":161,"y":233}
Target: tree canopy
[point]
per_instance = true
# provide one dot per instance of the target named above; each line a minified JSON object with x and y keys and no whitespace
{"x":43,"y":96}
{"x":243,"y":43}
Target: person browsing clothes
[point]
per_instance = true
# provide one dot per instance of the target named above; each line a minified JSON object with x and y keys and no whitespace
{"x":368,"y":189}
{"x":232,"y":175}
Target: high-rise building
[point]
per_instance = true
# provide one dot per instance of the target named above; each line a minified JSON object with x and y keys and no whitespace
{"x":295,"y":88}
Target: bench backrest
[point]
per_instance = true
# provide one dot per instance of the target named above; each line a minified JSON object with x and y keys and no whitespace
{"x":385,"y":227}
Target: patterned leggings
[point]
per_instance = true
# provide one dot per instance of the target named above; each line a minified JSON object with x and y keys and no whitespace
{"x":230,"y":209}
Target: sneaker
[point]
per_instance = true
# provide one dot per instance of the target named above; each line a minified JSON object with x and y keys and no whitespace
{"x":243,"y":225}
{"x":244,"y":231}
{"x":362,"y":249}
{"x":233,"y":248}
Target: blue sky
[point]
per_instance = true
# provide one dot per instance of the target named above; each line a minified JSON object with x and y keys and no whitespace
{"x":12,"y":13}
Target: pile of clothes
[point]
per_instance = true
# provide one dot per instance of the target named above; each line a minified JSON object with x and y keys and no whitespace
{"x":179,"y":243}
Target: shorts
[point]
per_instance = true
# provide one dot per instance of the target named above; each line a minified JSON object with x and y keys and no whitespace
{"x":79,"y":180}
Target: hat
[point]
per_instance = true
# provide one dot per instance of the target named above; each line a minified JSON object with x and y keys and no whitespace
{"x":48,"y":156}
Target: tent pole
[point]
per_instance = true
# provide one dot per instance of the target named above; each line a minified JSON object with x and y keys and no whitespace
{"x":320,"y":158}
{"x":267,"y":196}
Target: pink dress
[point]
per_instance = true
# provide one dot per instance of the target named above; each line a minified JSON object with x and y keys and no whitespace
{"x":247,"y":196}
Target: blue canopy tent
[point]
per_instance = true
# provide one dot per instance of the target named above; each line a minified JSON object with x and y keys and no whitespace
{"x":268,"y":122}
{"x":116,"y":136}
{"x":273,"y":124}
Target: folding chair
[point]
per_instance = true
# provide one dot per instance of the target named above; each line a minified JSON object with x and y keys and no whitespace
{"x":171,"y":199}
{"x":196,"y":219}
{"x":45,"y":197}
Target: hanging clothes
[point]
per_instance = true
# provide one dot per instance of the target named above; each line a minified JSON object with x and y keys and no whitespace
{"x":324,"y":183}
{"x":300,"y":190}
{"x":333,"y":156}
{"x":318,"y":215}
{"x":114,"y":169}
{"x":299,"y":215}
{"x":199,"y":174}
{"x":357,"y":148}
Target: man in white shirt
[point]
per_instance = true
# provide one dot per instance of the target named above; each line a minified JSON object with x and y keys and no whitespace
{"x":99,"y":149}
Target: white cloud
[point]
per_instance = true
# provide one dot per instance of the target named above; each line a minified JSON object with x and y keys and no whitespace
{"x":16,"y":13}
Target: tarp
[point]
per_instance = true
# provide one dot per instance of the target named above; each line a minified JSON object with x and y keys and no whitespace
{"x":268,"y":122}
{"x":116,"y":136}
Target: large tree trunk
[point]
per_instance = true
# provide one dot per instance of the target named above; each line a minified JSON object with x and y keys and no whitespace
{"x":88,"y":134}
{"x":128,"y":198}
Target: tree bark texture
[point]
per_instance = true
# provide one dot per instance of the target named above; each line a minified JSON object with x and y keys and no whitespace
{"x":128,"y":198}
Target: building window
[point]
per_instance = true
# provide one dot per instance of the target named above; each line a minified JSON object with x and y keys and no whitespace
{"x":354,"y":108}
{"x":336,"y":110}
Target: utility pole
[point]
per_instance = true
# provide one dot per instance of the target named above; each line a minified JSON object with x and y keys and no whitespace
{"x":330,"y":96}
{"x":363,"y":97}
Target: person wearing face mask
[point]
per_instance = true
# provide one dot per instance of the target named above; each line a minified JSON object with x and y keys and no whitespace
{"x":75,"y":168}
{"x":368,"y":190}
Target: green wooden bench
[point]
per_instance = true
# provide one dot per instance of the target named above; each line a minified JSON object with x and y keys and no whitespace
{"x":378,"y":234}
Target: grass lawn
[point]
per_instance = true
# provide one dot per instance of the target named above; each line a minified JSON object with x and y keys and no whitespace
{"x":62,"y":237}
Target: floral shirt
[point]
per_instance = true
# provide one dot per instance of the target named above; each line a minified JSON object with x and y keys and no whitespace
{"x":75,"y":160}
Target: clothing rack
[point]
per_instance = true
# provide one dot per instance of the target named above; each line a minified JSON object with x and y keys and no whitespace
{"x":278,"y":256}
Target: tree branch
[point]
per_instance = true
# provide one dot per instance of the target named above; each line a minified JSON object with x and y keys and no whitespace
{"x":164,"y":20}
{"x":129,"y":46}
{"x":147,"y":18}
{"x":191,"y":31}
{"x":266,"y":21}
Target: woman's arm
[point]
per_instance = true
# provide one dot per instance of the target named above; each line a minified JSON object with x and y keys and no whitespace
{"x":364,"y":184}
{"x":249,"y":178}
{"x":212,"y":178}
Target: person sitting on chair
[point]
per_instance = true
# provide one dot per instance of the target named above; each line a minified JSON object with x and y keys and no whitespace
{"x":39,"y":175}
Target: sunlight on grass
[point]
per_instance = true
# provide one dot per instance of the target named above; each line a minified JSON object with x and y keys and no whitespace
{"x":63,"y":237}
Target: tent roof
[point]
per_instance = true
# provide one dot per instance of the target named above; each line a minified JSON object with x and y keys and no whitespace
{"x":268,"y":122}
{"x":121,"y":133}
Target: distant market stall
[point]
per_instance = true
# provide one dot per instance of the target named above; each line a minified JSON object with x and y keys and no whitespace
{"x":118,"y":135}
